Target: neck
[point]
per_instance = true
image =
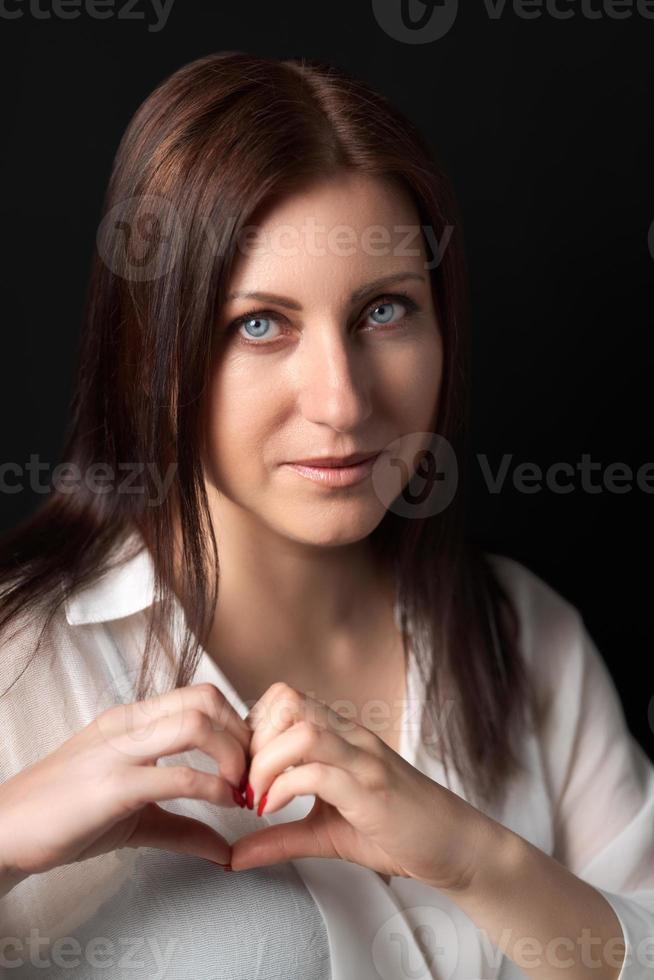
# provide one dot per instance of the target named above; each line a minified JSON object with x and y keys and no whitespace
{"x":290,"y":611}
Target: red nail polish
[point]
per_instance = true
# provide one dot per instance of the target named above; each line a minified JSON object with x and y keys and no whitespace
{"x":249,"y":796}
{"x":262,"y":803}
{"x":227,"y":867}
{"x":243,"y":782}
{"x":238,"y":798}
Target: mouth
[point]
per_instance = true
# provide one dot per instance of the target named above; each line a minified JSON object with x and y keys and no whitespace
{"x":330,"y":475}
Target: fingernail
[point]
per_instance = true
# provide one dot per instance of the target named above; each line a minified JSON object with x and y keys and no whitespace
{"x":262,"y":803}
{"x":243,"y":782}
{"x":227,"y":867}
{"x":249,"y":797}
{"x":238,"y":798}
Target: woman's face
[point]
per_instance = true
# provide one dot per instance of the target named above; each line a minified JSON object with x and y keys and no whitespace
{"x":329,"y":363}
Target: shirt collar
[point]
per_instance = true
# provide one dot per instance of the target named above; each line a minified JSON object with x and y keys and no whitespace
{"x":121,"y":591}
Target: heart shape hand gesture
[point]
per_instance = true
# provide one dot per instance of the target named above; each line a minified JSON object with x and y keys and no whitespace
{"x":371,"y":806}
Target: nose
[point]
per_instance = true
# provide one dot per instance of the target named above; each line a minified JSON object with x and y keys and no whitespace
{"x":334,"y":381}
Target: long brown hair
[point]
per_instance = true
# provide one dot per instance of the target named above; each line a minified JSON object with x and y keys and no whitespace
{"x":212,"y":143}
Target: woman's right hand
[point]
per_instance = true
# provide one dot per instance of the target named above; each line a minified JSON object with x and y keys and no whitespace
{"x":96,"y":792}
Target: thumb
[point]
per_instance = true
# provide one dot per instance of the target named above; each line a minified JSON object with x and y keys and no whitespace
{"x":281,"y":842}
{"x":172,"y":832}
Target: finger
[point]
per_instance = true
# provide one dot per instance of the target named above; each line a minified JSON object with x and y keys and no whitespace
{"x":282,"y":706}
{"x":185,"y":730}
{"x":302,"y":743}
{"x":184,"y":835}
{"x":331,"y":784}
{"x":122,"y":718}
{"x":281,"y":842}
{"x":142,"y":785}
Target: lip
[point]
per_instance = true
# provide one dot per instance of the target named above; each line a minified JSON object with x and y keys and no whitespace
{"x":325,"y":461}
{"x":336,"y":476}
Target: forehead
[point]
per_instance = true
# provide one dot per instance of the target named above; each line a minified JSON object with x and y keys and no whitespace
{"x":333,"y":230}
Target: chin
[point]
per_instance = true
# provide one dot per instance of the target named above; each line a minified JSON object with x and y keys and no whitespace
{"x":332,"y":524}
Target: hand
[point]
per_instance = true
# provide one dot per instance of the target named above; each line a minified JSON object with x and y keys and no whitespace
{"x":96,"y":792}
{"x":371,"y":806}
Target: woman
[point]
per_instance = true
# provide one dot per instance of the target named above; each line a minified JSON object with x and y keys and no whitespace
{"x":422,"y":731}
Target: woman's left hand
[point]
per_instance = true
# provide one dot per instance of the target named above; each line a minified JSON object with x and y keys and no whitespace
{"x":372,"y":807}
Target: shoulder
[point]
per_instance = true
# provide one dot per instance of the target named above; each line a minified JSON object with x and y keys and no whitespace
{"x":52,"y":683}
{"x":572,"y":680}
{"x":555,"y":641}
{"x":29,"y":627}
{"x":535,"y":598}
{"x":551,"y":626}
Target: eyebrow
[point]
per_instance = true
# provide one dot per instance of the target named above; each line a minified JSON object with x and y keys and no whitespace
{"x":355,"y":297}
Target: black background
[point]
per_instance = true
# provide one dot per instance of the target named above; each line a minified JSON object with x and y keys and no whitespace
{"x":545,"y":126}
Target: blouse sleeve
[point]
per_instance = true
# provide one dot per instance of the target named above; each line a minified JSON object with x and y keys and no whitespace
{"x":603,"y":791}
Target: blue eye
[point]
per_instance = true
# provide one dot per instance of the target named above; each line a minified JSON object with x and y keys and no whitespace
{"x":381,"y":306}
{"x":255,"y":322}
{"x":407,"y":305}
{"x":258,"y":331}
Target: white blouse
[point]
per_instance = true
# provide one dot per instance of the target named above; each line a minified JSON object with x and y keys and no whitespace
{"x":587,"y":799}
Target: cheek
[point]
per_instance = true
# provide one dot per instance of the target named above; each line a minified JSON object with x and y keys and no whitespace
{"x":240,"y":417}
{"x":413,"y":383}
